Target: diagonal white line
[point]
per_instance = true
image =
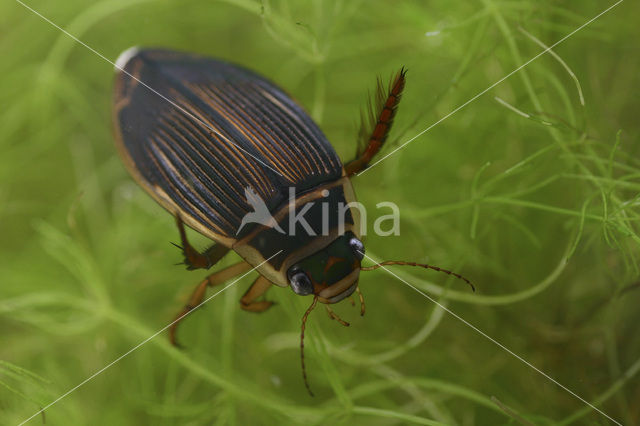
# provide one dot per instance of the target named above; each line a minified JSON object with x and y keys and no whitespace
{"x":147,"y":86}
{"x":493,"y":85}
{"x":494,"y":341}
{"x":145,"y":341}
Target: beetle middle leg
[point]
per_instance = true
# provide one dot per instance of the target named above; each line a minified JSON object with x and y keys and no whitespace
{"x":258,"y":288}
{"x":198,"y":294}
{"x":192,"y":257}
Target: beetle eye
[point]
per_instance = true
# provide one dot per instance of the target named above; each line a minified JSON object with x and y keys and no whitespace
{"x":357,"y":247}
{"x":300,"y":282}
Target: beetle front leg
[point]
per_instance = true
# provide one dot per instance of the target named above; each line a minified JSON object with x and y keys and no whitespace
{"x":194,"y":259}
{"x":198,"y":294}
{"x":258,"y":288}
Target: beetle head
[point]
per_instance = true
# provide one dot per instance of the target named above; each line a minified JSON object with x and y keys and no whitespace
{"x":331,"y":273}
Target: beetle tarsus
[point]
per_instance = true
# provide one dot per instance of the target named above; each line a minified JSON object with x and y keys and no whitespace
{"x":173,"y":333}
{"x":362,"y":305}
{"x":256,"y":307}
{"x":335,"y":316}
{"x":248,"y":301}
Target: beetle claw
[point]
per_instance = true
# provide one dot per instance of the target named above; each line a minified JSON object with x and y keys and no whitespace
{"x":172,"y":337}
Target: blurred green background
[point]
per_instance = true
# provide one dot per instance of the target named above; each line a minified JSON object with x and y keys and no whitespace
{"x":528,"y":191}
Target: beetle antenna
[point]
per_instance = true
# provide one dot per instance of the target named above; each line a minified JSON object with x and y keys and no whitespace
{"x":422,"y":265}
{"x":304,"y":324}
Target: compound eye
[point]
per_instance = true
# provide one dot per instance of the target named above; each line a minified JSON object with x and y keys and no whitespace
{"x":357,"y":247}
{"x":300,"y":282}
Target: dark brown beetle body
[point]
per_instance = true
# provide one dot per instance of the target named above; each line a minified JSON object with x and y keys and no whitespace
{"x":229,"y":154}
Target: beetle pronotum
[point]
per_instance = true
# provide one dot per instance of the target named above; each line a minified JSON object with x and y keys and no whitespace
{"x":221,"y":148}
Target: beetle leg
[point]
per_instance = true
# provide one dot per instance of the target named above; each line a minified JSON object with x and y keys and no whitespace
{"x":361,"y":301}
{"x":258,"y":288}
{"x":381,"y":120}
{"x":198,"y":294}
{"x":335,"y":316}
{"x":194,"y":259}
